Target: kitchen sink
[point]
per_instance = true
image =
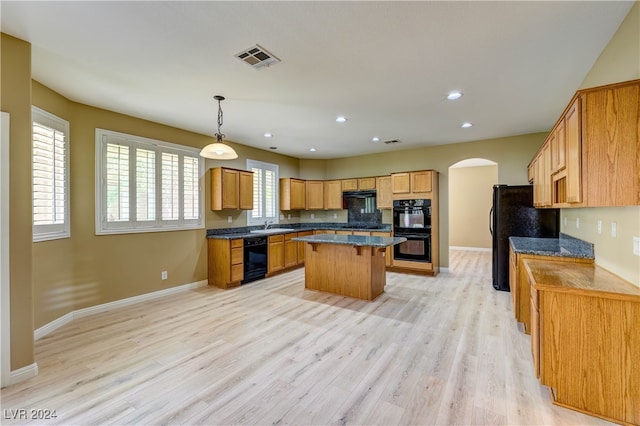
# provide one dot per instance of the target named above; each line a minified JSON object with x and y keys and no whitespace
{"x":272,"y":230}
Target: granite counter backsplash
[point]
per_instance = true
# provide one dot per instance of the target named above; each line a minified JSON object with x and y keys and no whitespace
{"x":564,"y":246}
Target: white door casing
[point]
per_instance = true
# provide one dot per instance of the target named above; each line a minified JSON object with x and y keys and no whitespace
{"x":5,"y":315}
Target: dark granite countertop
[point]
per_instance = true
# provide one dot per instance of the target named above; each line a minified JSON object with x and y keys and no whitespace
{"x":564,"y":246}
{"x":245,"y":231}
{"x":352,"y":240}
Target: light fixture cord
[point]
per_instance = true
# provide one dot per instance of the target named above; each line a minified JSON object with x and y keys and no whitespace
{"x":219,"y":135}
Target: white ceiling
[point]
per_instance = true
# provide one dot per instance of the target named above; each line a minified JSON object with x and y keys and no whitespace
{"x":386,"y":66}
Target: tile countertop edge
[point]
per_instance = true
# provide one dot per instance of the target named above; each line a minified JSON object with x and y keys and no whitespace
{"x":352,"y":240}
{"x":564,"y":246}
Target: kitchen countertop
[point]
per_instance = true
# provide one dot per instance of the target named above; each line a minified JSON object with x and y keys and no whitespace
{"x":245,"y":232}
{"x":352,"y":240}
{"x":564,"y":246}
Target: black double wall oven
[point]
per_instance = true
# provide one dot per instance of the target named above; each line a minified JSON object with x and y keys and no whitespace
{"x":412,"y":220}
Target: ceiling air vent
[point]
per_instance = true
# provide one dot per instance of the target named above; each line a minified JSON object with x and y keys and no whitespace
{"x":258,"y":57}
{"x":390,"y":141}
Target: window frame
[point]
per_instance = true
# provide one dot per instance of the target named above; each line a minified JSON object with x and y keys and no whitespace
{"x":251,"y":221}
{"x":52,"y":231}
{"x":132,"y":224}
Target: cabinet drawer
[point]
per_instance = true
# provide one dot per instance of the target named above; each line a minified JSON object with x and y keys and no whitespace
{"x":237,"y":273}
{"x":276,"y":239}
{"x":237,"y":256}
{"x":236,"y":243}
{"x":290,"y":236}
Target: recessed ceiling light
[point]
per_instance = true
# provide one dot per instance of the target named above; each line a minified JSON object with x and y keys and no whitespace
{"x":268,"y":135}
{"x":454,"y":95}
{"x":341,"y":119}
{"x":312,"y":149}
{"x":466,"y":125}
{"x":376,"y":139}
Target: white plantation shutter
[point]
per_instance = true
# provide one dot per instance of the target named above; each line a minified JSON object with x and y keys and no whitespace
{"x":117,"y":171}
{"x":190,"y":188}
{"x":50,"y":176}
{"x":265,"y":192}
{"x":144,"y":185}
{"x":170,"y":187}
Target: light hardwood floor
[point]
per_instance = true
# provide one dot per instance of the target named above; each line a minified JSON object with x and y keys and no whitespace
{"x":442,"y":350}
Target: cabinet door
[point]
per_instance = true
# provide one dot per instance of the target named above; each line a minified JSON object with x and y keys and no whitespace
{"x":367,"y":183}
{"x":315,"y":195}
{"x":332,"y":195}
{"x":421,"y":181}
{"x":301,"y":245}
{"x":276,"y":253}
{"x":246,"y":190}
{"x":388,"y":252}
{"x":546,"y":176}
{"x":535,"y":338}
{"x":573,"y":140}
{"x":298,"y":194}
{"x":383,"y":196}
{"x":230,"y":189}
{"x":400,"y":183}
{"x":349,"y":184}
{"x":290,"y":250}
{"x":559,"y":153}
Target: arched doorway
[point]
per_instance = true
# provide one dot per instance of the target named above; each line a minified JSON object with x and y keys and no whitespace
{"x":470,"y":197}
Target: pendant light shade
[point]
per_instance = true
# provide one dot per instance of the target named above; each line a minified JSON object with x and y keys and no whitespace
{"x":218,"y":150}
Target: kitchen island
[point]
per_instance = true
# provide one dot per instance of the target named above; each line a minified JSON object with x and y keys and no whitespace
{"x":348,"y":265}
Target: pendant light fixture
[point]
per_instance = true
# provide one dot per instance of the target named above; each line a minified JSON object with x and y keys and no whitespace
{"x":218,"y":150}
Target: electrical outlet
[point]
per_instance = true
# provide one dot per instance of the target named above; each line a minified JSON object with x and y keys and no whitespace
{"x":229,"y":219}
{"x":313,"y":216}
{"x":281,"y":216}
{"x":577,"y":223}
{"x":599,"y":227}
{"x":289,"y":216}
{"x":614,"y":229}
{"x":335,"y":215}
{"x":565,"y":221}
{"x":636,"y":246}
{"x":164,"y":275}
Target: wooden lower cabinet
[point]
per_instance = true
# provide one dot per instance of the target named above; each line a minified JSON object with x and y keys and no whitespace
{"x":519,"y":284}
{"x":275,"y":254}
{"x":585,"y":342}
{"x":301,"y":246}
{"x":388,"y":254}
{"x":226,"y":262}
{"x":290,"y":250}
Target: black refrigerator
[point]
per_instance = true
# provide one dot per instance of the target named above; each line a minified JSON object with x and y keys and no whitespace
{"x":513,"y":215}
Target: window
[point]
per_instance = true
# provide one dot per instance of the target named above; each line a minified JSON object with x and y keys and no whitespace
{"x":50,"y":176}
{"x":265,"y":192}
{"x":145,"y":185}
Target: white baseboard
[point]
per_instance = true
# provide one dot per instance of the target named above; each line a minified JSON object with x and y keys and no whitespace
{"x":92,"y":310}
{"x":22,"y":374}
{"x":469,"y":248}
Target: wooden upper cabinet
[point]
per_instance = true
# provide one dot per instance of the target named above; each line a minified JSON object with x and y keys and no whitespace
{"x":293,"y":194}
{"x":349,"y":184}
{"x":384,"y":199}
{"x":559,"y":148}
{"x":611,"y":145}
{"x":412,"y":184}
{"x":400,"y":183}
{"x":246,"y":190}
{"x":366,"y":183}
{"x":573,"y":143}
{"x":332,"y":195}
{"x":421,"y":181}
{"x":231,"y":189}
{"x":315,"y":195}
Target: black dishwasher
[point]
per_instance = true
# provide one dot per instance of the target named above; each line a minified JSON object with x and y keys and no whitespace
{"x":255,"y":258}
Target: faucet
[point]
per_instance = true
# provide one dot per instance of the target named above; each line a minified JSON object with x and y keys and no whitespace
{"x":267,"y":224}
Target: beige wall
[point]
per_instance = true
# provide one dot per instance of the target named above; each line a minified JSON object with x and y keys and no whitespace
{"x":88,"y":270}
{"x":619,"y":61}
{"x":512,"y":154}
{"x":470,"y":199}
{"x":16,"y":100}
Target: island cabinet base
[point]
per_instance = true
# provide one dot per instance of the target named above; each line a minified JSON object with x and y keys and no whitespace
{"x":354,"y":271}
